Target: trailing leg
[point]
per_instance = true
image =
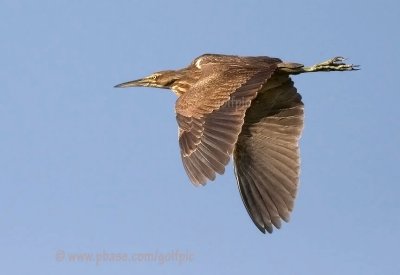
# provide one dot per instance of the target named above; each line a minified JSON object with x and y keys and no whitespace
{"x":334,"y":64}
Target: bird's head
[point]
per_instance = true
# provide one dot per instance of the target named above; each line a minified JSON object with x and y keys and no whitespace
{"x":162,"y":79}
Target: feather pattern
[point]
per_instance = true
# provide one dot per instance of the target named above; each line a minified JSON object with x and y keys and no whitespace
{"x":267,"y":153}
{"x":211,"y":114}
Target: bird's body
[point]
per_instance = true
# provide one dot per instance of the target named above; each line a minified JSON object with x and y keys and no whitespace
{"x":248,"y":108}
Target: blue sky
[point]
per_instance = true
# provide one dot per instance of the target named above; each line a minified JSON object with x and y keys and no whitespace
{"x":87,"y":169}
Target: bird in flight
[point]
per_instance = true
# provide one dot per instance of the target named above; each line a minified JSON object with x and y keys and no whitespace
{"x":246,"y":107}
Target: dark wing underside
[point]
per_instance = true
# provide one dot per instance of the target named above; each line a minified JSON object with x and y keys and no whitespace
{"x":211,"y":114}
{"x":267,"y":153}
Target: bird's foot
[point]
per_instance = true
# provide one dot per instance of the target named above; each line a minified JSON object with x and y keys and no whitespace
{"x":334,"y":64}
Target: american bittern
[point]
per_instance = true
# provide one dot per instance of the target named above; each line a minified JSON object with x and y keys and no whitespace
{"x":248,"y":107}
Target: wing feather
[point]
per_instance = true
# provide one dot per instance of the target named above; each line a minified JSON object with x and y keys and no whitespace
{"x":211,"y":114}
{"x":267,"y":153}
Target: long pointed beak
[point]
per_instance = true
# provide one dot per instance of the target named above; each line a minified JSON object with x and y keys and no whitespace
{"x":134,"y":83}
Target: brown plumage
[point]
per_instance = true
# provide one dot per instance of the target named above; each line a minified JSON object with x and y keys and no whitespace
{"x":246,"y":107}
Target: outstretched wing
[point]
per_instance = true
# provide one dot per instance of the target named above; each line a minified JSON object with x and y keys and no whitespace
{"x":211,"y":114}
{"x":267,"y":153}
